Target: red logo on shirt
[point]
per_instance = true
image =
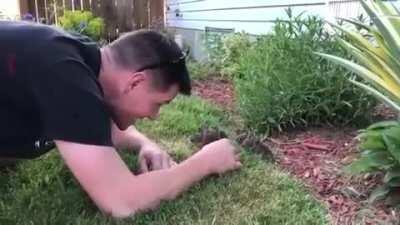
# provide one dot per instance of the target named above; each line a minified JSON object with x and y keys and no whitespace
{"x":12,"y":64}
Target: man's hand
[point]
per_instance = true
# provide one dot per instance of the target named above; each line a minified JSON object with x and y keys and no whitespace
{"x":219,"y":156}
{"x":152,"y":157}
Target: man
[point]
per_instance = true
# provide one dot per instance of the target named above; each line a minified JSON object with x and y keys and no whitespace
{"x":62,"y":88}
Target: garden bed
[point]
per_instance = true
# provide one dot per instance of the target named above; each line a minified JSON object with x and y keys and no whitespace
{"x":317,"y":157}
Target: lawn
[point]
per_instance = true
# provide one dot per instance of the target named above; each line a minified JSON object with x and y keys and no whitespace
{"x":43,"y":191}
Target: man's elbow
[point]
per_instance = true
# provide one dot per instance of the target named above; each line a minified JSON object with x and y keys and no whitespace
{"x":111,"y":203}
{"x":118,"y":206}
{"x":114,"y":209}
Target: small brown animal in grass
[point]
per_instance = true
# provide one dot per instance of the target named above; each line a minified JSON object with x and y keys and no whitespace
{"x":246,"y":140}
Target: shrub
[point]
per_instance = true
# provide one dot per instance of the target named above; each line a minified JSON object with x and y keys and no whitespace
{"x":213,"y":41}
{"x":282,"y":84}
{"x":224,"y":50}
{"x":83,"y":22}
{"x":380,"y":144}
{"x":233,"y":47}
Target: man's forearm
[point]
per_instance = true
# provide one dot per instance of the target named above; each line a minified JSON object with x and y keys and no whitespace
{"x":147,"y":190}
{"x":130,"y":138}
{"x":112,"y":186}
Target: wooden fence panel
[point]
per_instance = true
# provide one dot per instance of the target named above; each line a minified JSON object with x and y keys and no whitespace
{"x":141,"y":13}
{"x":86,"y":5}
{"x":109,"y":14}
{"x":156,"y":14}
{"x":119,"y":15}
{"x":125,"y":16}
{"x":68,"y":4}
{"x":41,"y":10}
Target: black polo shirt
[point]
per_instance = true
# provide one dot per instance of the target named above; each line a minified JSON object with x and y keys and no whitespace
{"x":49,"y":90}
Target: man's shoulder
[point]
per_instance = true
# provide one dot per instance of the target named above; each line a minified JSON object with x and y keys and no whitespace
{"x":33,"y":33}
{"x":46,"y":44}
{"x":73,"y":75}
{"x":67,"y":48}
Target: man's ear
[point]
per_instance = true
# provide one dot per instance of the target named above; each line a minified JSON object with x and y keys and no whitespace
{"x":134,"y":80}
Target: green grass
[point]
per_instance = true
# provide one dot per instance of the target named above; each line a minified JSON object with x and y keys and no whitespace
{"x":44,"y":192}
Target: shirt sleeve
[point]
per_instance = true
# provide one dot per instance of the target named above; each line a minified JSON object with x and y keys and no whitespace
{"x":71,"y":104}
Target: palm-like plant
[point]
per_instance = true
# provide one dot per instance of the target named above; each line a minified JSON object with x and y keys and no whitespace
{"x":377,"y":51}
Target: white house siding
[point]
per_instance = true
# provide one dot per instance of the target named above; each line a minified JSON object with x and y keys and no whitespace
{"x":190,"y":18}
{"x":254,"y":17}
{"x":9,"y":9}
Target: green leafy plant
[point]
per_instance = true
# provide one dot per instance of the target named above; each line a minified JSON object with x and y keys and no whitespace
{"x":213,"y":42}
{"x":233,"y":46}
{"x":281,"y":84}
{"x":83,"y":22}
{"x":380,"y":144}
{"x":224,"y":50}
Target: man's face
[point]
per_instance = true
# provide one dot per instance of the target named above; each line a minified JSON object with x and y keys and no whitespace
{"x":139,"y":99}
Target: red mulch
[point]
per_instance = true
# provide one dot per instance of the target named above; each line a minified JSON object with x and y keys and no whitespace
{"x":217,"y":91}
{"x":383,"y":112}
{"x":317,"y":156}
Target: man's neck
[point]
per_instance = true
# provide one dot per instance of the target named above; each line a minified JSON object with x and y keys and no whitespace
{"x":109,"y":82}
{"x":105,"y":78}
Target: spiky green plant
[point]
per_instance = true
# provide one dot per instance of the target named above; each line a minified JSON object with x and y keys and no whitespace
{"x":377,"y":51}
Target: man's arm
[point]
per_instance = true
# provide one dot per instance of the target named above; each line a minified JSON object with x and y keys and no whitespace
{"x":151,"y":156}
{"x":130,"y":138}
{"x":116,"y":191}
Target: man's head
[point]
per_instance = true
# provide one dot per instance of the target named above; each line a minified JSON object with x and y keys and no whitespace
{"x":141,"y":71}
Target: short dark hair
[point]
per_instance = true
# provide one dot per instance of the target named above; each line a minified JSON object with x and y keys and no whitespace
{"x":150,"y":50}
